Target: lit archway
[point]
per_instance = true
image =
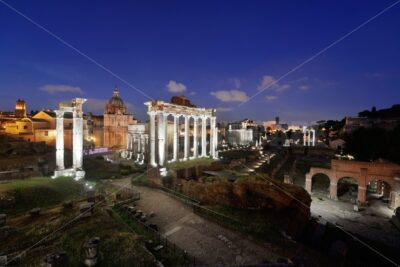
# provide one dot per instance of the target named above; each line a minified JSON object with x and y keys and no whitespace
{"x":320,"y":184}
{"x":347,"y":189}
{"x":378,"y":189}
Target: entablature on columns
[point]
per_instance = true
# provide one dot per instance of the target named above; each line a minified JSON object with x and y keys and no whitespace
{"x":161,"y":107}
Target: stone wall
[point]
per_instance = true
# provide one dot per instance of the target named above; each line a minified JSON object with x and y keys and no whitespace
{"x":254,"y":195}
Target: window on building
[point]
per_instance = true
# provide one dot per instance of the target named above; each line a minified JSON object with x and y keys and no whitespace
{"x":25,"y":127}
{"x":46,"y":133}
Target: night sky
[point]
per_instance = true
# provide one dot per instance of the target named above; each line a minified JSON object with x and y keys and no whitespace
{"x":218,"y":53}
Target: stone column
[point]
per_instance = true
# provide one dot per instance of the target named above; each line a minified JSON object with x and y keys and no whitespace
{"x":195,"y":144}
{"x":308,"y":184}
{"x":139,"y":147}
{"x":152,"y":139}
{"x":203,"y":136}
{"x":176,"y":137}
{"x":165,"y":137}
{"x":313,"y":137}
{"x":77,"y":139}
{"x":304,"y":138}
{"x":212,"y":137}
{"x":362,"y":185}
{"x":333,"y":190}
{"x":128,"y":145}
{"x":161,"y":138}
{"x":362,"y":194}
{"x":186,"y":142}
{"x":215,"y":142}
{"x":60,"y":140}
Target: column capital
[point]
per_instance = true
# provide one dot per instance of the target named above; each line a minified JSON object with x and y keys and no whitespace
{"x":152,"y":113}
{"x":59,"y":113}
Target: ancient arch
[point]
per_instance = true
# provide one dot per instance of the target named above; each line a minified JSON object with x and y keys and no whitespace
{"x":346,"y":188}
{"x":320,"y":182}
{"x":363,"y":173}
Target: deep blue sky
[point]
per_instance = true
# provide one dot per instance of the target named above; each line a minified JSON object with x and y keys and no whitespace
{"x":212,"y":48}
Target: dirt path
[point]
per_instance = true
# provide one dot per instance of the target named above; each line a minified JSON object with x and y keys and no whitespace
{"x":210,"y":243}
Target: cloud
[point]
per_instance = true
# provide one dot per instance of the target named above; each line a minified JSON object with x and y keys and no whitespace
{"x":269,"y":82}
{"x":175,"y":87}
{"x":224,"y":109}
{"x":325,"y":82}
{"x":304,"y":87}
{"x":271,"y":97}
{"x":376,"y":75}
{"x":231,"y":95}
{"x":60,"y":88}
{"x":193,"y":93}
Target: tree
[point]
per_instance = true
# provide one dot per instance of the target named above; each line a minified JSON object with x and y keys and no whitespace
{"x":368,"y":144}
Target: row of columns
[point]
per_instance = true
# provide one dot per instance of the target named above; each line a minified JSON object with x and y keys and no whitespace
{"x":162,"y":127}
{"x":137,"y":144}
{"x":308,"y":137}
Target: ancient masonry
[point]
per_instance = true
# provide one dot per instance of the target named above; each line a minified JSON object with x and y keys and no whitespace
{"x":308,"y":137}
{"x":364,"y":173}
{"x":75,"y":107}
{"x":159,"y":111}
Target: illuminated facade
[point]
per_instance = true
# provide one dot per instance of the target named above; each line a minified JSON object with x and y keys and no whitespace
{"x":116,"y":121}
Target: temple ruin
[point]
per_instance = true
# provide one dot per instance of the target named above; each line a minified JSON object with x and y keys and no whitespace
{"x":75,"y":107}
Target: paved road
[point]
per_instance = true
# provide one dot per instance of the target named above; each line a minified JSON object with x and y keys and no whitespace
{"x":210,"y":243}
{"x":372,"y":223}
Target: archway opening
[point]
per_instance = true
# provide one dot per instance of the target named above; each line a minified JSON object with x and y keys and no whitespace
{"x":347,"y":189}
{"x":378,"y":189}
{"x":320,"y":184}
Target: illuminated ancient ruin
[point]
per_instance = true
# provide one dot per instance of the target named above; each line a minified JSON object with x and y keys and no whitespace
{"x":158,"y":127}
{"x":308,"y":137}
{"x":75,"y":107}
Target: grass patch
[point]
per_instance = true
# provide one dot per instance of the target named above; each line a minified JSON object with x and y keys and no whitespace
{"x":189,"y":163}
{"x":118,"y":246}
{"x":98,"y":168}
{"x":38,"y":192}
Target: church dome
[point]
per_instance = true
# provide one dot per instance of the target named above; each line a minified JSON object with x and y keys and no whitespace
{"x":115,"y":104}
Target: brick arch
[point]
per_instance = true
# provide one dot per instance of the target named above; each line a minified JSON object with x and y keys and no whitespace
{"x":382,"y":179}
{"x":319,"y":173}
{"x":314,"y":171}
{"x":352,"y":177}
{"x":362,"y":172}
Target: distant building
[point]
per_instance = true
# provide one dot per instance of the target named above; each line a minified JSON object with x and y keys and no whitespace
{"x":241,"y":136}
{"x":116,"y":121}
{"x":20,"y":109}
{"x":40,"y":127}
{"x":353,"y":123}
{"x":96,"y":129}
{"x":257,"y":130}
{"x":337,"y":144}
